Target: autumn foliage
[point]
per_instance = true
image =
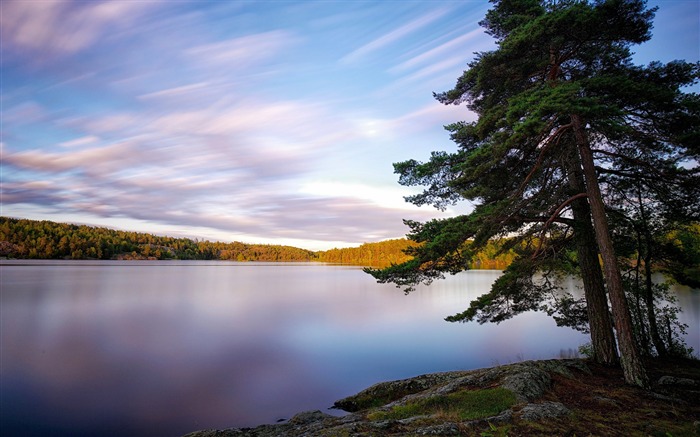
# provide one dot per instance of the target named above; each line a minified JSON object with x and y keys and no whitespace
{"x":32,"y":239}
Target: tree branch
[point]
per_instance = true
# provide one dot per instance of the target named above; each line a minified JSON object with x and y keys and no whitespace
{"x":553,"y":217}
{"x":549,"y":142}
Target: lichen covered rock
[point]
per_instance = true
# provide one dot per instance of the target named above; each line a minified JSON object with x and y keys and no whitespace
{"x":550,"y":397}
{"x":544,"y":410}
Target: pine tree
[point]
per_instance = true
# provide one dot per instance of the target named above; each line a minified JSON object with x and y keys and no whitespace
{"x":560,"y":106}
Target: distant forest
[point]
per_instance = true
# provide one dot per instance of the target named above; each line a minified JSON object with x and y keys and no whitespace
{"x":32,"y":239}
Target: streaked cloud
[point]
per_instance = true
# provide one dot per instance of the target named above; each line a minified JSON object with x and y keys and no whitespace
{"x":92,"y":125}
{"x":80,"y":142}
{"x":105,"y":159}
{"x":392,"y":37}
{"x":388,"y":197}
{"x":64,"y":27}
{"x":24,"y":113}
{"x":245,"y":51}
{"x":449,"y":48}
{"x":175,"y":91}
{"x":229,"y":120}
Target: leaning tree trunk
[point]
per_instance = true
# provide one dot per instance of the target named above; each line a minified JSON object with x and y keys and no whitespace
{"x":602,"y":335}
{"x":651,"y":309}
{"x":630,"y":359}
{"x":649,"y":286}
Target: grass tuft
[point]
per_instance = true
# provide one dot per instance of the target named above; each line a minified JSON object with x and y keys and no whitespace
{"x":458,"y":406}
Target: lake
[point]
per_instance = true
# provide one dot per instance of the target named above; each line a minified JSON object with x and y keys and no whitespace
{"x":162,"y":348}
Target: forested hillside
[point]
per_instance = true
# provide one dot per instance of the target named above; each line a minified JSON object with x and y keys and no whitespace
{"x":386,"y":253}
{"x":369,"y":254}
{"x":21,"y":238}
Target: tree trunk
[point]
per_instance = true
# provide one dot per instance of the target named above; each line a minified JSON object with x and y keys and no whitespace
{"x":649,"y":286}
{"x":602,"y":335}
{"x":600,"y":325}
{"x":642,"y":338}
{"x":636,"y":310}
{"x":632,"y":366}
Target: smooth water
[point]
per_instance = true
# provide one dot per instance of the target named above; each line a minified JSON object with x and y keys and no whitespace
{"x":164,"y":348}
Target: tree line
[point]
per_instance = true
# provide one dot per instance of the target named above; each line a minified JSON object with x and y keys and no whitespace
{"x":389,"y":252}
{"x":22,"y":238}
{"x":33,"y":239}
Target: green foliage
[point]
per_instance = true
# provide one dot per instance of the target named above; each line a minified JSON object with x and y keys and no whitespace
{"x":496,"y":431}
{"x":513,"y":292}
{"x":21,"y":238}
{"x":520,"y":163}
{"x":682,"y":260}
{"x":664,"y":312}
{"x":391,"y":253}
{"x":380,"y":254}
{"x":459,"y":406}
{"x":586,"y":350}
{"x":569,"y":133}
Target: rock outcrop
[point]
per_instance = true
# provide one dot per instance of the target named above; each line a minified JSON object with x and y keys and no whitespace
{"x":528,"y":381}
{"x":551,"y":397}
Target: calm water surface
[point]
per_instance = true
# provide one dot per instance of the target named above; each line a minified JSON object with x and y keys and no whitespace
{"x":165,"y":348}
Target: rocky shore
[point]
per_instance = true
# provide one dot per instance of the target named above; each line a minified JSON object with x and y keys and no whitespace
{"x":550,"y":397}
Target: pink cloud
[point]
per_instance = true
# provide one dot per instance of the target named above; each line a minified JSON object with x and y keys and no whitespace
{"x":24,"y":113}
{"x":244,"y":51}
{"x":103,"y":159}
{"x":63,"y":27}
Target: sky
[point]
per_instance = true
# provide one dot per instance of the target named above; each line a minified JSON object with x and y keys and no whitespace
{"x":270,"y":122}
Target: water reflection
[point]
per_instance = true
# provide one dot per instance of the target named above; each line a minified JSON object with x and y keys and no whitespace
{"x":134,"y":348}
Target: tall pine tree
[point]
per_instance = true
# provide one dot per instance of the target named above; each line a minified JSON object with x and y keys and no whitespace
{"x":559,"y":104}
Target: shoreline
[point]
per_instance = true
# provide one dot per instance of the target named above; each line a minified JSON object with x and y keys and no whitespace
{"x":543,"y":397}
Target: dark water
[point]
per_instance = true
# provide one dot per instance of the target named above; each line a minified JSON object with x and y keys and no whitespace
{"x":165,"y":348}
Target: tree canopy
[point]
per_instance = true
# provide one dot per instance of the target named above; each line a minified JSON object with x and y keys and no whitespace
{"x":567,"y":124}
{"x":21,"y":238}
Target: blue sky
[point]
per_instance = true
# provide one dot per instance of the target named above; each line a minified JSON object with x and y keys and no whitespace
{"x":267,"y":121}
